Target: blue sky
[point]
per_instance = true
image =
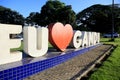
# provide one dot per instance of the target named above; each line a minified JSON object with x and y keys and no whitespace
{"x":24,"y":7}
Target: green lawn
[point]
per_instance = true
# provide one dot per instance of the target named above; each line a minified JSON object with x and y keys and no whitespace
{"x":18,"y":49}
{"x":21,"y":47}
{"x":110,"y":69}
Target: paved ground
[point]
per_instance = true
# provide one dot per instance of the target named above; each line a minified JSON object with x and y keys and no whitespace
{"x":68,"y":70}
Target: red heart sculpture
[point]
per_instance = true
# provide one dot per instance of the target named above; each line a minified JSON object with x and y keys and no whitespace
{"x":59,"y":35}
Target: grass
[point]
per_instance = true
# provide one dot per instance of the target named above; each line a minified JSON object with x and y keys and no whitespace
{"x":21,"y":47}
{"x":18,"y":49}
{"x":107,"y":41}
{"x":110,"y":69}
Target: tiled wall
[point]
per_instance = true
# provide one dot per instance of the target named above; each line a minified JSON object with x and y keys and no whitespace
{"x":28,"y":68}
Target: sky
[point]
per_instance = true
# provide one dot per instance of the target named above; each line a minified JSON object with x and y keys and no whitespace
{"x":25,"y":7}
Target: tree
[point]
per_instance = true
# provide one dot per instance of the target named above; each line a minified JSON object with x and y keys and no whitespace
{"x":98,"y":18}
{"x":33,"y":18}
{"x":66,"y":15}
{"x":54,"y":11}
{"x":49,"y":12}
{"x":7,"y":16}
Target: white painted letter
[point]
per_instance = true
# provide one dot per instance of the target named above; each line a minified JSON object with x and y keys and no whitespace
{"x":85,"y":39}
{"x":6,"y":43}
{"x":90,"y":38}
{"x":76,"y":41}
{"x":96,"y":36}
{"x":35,"y":41}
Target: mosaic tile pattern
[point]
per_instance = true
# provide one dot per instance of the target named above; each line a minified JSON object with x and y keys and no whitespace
{"x":28,"y":67}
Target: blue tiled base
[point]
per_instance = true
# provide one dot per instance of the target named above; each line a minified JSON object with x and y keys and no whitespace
{"x":29,"y":66}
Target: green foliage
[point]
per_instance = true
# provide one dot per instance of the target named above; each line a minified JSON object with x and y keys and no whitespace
{"x":33,"y":18}
{"x":110,"y":69}
{"x":99,"y":18}
{"x":7,"y":16}
{"x":66,"y":15}
{"x":49,"y":12}
{"x":53,"y":11}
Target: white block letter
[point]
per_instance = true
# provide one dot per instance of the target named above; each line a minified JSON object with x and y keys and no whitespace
{"x":90,"y":38}
{"x":85,"y":39}
{"x":96,"y":36}
{"x":6,"y":43}
{"x":76,"y":41}
{"x":35,"y":41}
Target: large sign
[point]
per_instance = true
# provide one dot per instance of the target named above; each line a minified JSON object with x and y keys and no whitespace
{"x":36,"y":40}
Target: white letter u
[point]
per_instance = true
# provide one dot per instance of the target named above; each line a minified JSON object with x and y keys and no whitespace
{"x":35,"y":41}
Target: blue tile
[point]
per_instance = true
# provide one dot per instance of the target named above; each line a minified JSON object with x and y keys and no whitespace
{"x":6,"y":78}
{"x":28,"y":68}
{"x":1,"y":72}
{"x":1,"y":76}
{"x":6,"y":71}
